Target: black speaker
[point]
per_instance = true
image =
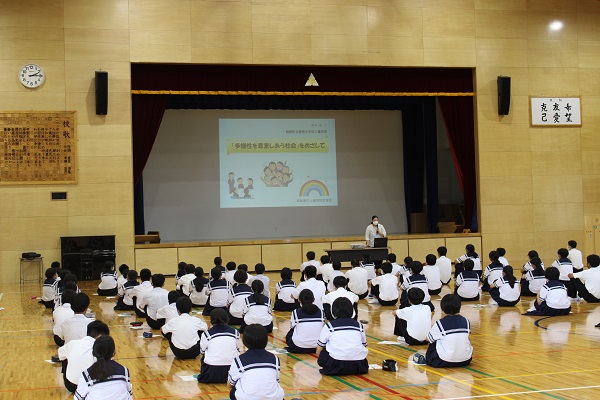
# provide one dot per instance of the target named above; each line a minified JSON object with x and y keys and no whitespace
{"x":101,"y":92}
{"x":503,"y":95}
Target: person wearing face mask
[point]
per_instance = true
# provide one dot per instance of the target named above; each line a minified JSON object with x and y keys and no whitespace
{"x":374,"y":230}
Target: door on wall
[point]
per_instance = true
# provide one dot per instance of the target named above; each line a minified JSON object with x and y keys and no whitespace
{"x":592,"y":234}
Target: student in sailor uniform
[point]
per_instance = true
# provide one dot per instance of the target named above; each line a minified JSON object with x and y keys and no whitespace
{"x":305,"y":325}
{"x":369,"y":266}
{"x":317,"y":287}
{"x":357,"y":280}
{"x":61,"y":314}
{"x":183,"y":284}
{"x":168,"y":312}
{"x":527,"y":266}
{"x":183,"y":332}
{"x":180,"y":272}
{"x":125,"y":301}
{"x":105,"y":379}
{"x":492,"y":272}
{"x":218,"y":292}
{"x":62,"y":273}
{"x":108,"y":280}
{"x":283,"y":292}
{"x":405,"y":268}
{"x":67,"y":280}
{"x":470,"y":253}
{"x":255,"y":374}
{"x":505,"y":290}
{"x":76,"y":356}
{"x":342,"y":344}
{"x":533,"y":280}
{"x":553,"y":299}
{"x":237,"y":297}
{"x":501,"y":256}
{"x":49,"y":288}
{"x":385,"y":287}
{"x":413,"y":323}
{"x":198,"y":288}
{"x":337,"y":267}
{"x":432,"y":273}
{"x":340,"y":283}
{"x":448,"y":338}
{"x":244,"y":267}
{"x":565,"y":267}
{"x":123,"y":268}
{"x":587,"y":283}
{"x":138,"y":292}
{"x":257,"y":309}
{"x":415,"y":280}
{"x":154,"y":299}
{"x":467,"y":283}
{"x":218,"y":346}
{"x":444,"y":264}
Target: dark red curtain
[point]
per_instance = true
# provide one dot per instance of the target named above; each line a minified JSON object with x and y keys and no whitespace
{"x":458,"y":118}
{"x":147,"y":114}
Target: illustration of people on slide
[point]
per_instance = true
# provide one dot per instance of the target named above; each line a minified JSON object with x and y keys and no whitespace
{"x":237,"y":190}
{"x":277,"y":174}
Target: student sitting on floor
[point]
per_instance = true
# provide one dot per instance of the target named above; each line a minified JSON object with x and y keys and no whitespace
{"x":340,"y":283}
{"x":444,"y":264}
{"x":105,"y":379}
{"x":125,"y":301}
{"x":154,"y":299}
{"x":237,"y":297}
{"x":198,"y":287}
{"x":49,"y":288}
{"x":405,"y":269}
{"x":61,"y":314}
{"x":260,"y":270}
{"x":310,"y":260}
{"x":413,"y":323}
{"x":228,"y":276}
{"x":218,"y":292}
{"x":416,"y":280}
{"x":218,"y":346}
{"x":255,"y":374}
{"x":533,"y":280}
{"x":587,"y":283}
{"x":122,"y":278}
{"x":492,"y":272}
{"x":180,"y":272}
{"x":168,"y":312}
{"x":317,"y":287}
{"x":337,"y":271}
{"x":183,"y":332}
{"x":501,"y":256}
{"x":553,"y":299}
{"x":384,"y":288}
{"x":467,"y":283}
{"x":342,"y":344}
{"x":565,"y":267}
{"x":244,"y":267}
{"x":77,"y":354}
{"x":68,"y":280}
{"x":528,"y":266}
{"x":283,"y":292}
{"x":369,"y":266}
{"x":470,"y":253}
{"x":257,"y":309}
{"x":357,"y":280}
{"x":449,"y":344}
{"x":184,"y":281}
{"x":306,"y":324}
{"x":505,"y":290}
{"x":396,"y":268}
{"x":326,"y":269}
{"x":108,"y":280}
{"x":138,"y":292}
{"x":76,"y":326}
{"x":432,"y":273}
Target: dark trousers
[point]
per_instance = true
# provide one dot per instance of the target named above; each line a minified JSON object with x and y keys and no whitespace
{"x":184,"y":354}
{"x":525,"y":291}
{"x":281,"y":305}
{"x":331,"y":366}
{"x":400,"y":329}
{"x":208,"y":309}
{"x":155,"y":323}
{"x":405,"y":303}
{"x":138,"y":312}
{"x":71,"y":387}
{"x":571,"y":290}
{"x":434,"y":292}
{"x":292,"y":348}
{"x":59,"y":342}
{"x":108,"y":292}
{"x":433,"y":359}
{"x":583,"y":292}
{"x":476,"y":298}
{"x":375,"y":293}
{"x":47,"y":304}
{"x":329,"y":316}
{"x":495,"y":293}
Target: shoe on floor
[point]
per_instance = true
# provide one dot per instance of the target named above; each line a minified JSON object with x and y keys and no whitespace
{"x":373,"y":301}
{"x":419,"y":359}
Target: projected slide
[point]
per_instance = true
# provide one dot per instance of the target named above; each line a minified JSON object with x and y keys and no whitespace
{"x":277,"y":163}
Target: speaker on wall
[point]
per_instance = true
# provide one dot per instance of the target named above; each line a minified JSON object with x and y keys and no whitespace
{"x":503,"y":95}
{"x":101,"y":92}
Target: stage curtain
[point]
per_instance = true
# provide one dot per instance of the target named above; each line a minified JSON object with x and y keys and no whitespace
{"x":138,"y":207}
{"x":458,"y":118}
{"x":431,"y":163}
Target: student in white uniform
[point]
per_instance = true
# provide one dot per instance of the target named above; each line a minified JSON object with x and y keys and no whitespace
{"x":260,"y":275}
{"x":76,"y":355}
{"x":198,"y":288}
{"x":154,"y":299}
{"x":470,"y":253}
{"x":357,"y":280}
{"x":183,"y":283}
{"x":310,"y":260}
{"x":228,"y":276}
{"x":49,"y":288}
{"x":337,"y":271}
{"x":183,"y":332}
{"x":444,"y":264}
{"x":105,"y":379}
{"x":168,"y":312}
{"x":237,"y":297}
{"x":502,"y":256}
{"x":342,"y":344}
{"x":565,"y":267}
{"x":587,"y":283}
{"x":492,"y":272}
{"x":533,"y":279}
{"x":396,"y":268}
{"x":467,"y":283}
{"x":76,"y":326}
{"x":340,"y":284}
{"x":218,"y":292}
{"x":374,"y":230}
{"x":257,"y":309}
{"x":219,"y":347}
{"x":317,"y":287}
{"x":138,"y":292}
{"x":432,"y":273}
{"x":405,"y":269}
{"x":505,"y":290}
{"x":108,"y":280}
{"x":283,"y":292}
{"x":413,"y":323}
{"x":527,"y":266}
{"x":575,"y":256}
{"x":385,"y":287}
{"x":122,"y":278}
{"x":416,"y":280}
{"x":306,"y":323}
{"x":326,"y":268}
{"x":61,"y":314}
{"x":552,"y":299}
{"x":255,"y":374}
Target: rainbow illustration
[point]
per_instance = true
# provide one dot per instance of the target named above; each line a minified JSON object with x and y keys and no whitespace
{"x":314,"y":186}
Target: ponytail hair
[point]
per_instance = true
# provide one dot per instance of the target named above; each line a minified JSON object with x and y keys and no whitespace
{"x":103,"y":350}
{"x":307,"y":299}
{"x":257,"y":288}
{"x":198,"y":282}
{"x":508,"y":275}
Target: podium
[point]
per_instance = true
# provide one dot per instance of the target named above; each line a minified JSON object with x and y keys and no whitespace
{"x":376,"y":253}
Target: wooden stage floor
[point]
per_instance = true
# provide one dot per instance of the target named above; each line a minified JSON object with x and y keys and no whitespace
{"x":516,"y":357}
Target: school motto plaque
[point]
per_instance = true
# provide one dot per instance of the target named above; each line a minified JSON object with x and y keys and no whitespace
{"x":38,"y":147}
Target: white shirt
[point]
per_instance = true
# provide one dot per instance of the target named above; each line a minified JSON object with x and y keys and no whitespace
{"x":419,"y":281}
{"x":357,"y":280}
{"x":493,"y":272}
{"x":445,"y":266}
{"x":554,"y":293}
{"x":326,"y":271}
{"x":255,"y":375}
{"x":396,"y":269}
{"x":218,"y":291}
{"x":503,"y":261}
{"x":120,"y":282}
{"x":316,"y":263}
{"x":432,"y":273}
{"x":370,"y":268}
{"x":565,"y":267}
{"x":371,"y":233}
{"x":74,"y":328}
{"x":60,"y":315}
{"x":591,"y":279}
{"x":388,"y":286}
{"x":576,"y":258}
{"x":315,"y":286}
{"x":476,"y":261}
{"x":108,"y":280}
{"x":79,"y":354}
{"x":229,"y":277}
{"x":418,"y":320}
{"x":332,"y":276}
{"x":266,"y":282}
{"x":344,"y":339}
{"x":284,"y":290}
{"x":339,"y":292}
{"x":220,"y":345}
{"x":49,"y":289}
{"x":535,"y":281}
{"x":198,"y":298}
{"x":139,"y":291}
{"x":117,"y":388}
{"x":156,"y":298}
{"x":307,"y":328}
{"x":183,"y":283}
{"x":506,"y":292}
{"x":184,"y":330}
{"x":167,"y":312}
{"x":237,"y":299}
{"x":468,"y":284}
{"x":258,"y":313}
{"x":451,"y":337}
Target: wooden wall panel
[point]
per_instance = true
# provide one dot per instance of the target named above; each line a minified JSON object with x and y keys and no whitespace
{"x":318,"y":248}
{"x":199,"y":256}
{"x":159,"y":261}
{"x":456,"y":247}
{"x":278,"y":256}
{"x":249,"y":255}
{"x":399,"y":248}
{"x":419,"y":248}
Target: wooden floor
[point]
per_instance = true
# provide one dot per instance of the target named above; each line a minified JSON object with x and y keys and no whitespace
{"x":516,"y":357}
